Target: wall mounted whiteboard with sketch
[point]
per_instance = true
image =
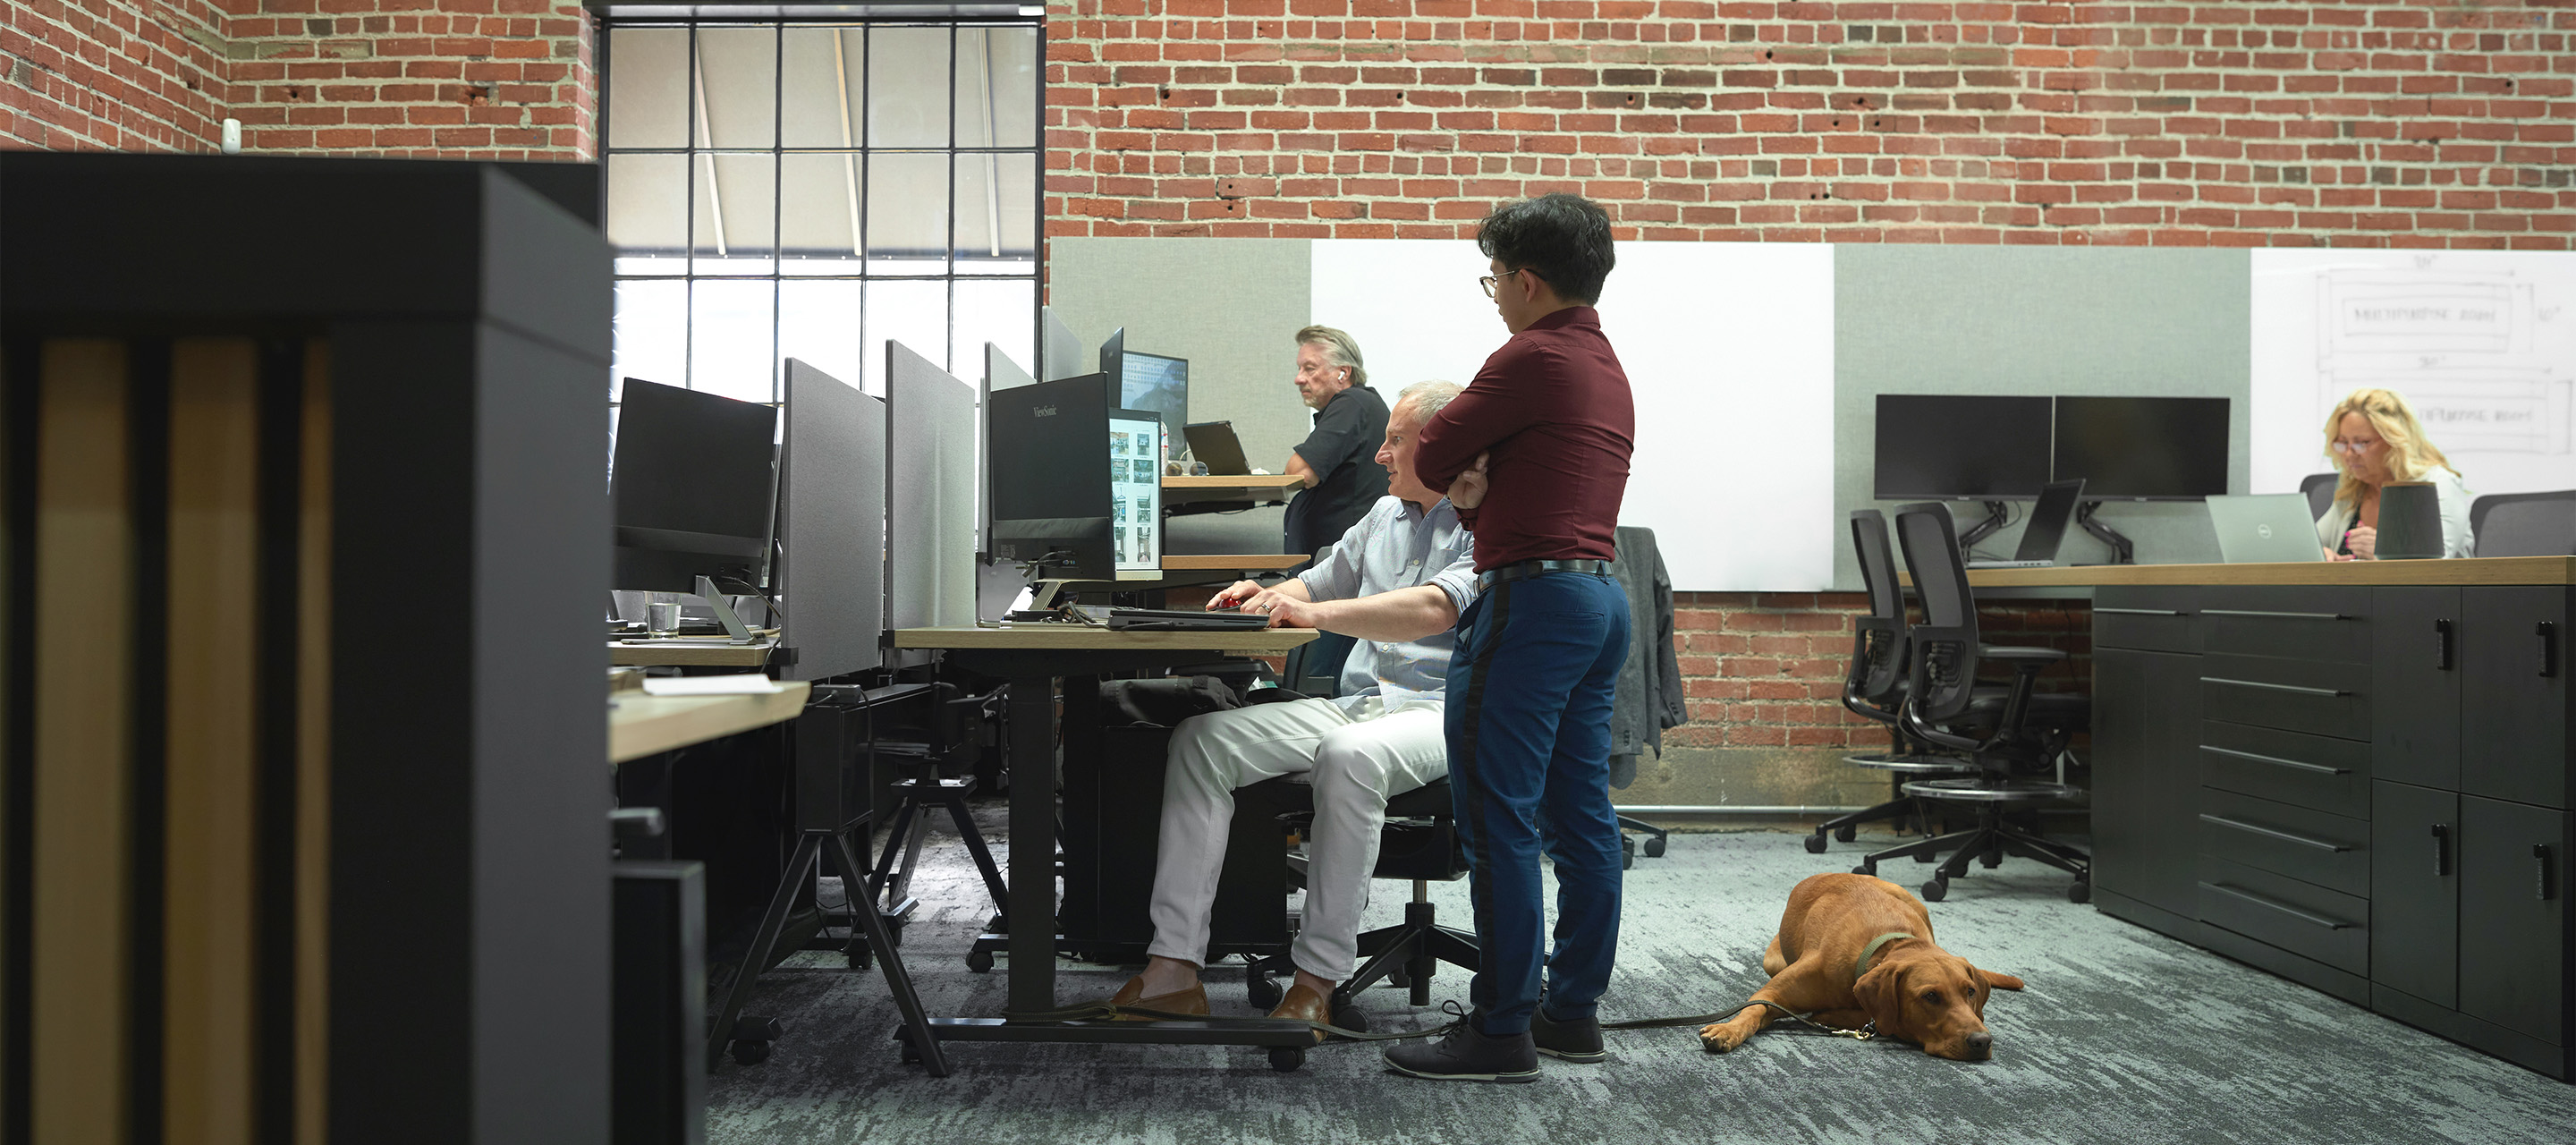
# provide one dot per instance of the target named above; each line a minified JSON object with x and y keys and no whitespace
{"x":2483,"y":343}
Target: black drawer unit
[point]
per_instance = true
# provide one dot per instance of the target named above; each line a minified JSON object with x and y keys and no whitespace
{"x":2320,"y":772}
{"x":2415,"y":891}
{"x":2309,"y":622}
{"x":2302,"y":918}
{"x":2148,"y":618}
{"x":2415,"y":671}
{"x":2332,"y":851}
{"x":2514,"y":729}
{"x":2313,"y":696}
{"x":2513,"y":916}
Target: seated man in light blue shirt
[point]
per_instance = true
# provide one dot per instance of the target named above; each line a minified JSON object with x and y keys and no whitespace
{"x":1397,"y":582}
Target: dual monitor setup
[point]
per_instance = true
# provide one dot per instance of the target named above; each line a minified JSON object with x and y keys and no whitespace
{"x":2069,"y":454}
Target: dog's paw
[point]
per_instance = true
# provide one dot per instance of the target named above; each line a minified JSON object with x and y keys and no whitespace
{"x":1719,"y":1038}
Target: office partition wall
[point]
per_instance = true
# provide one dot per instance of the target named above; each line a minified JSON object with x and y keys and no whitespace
{"x":933,"y":506}
{"x":832,"y":527}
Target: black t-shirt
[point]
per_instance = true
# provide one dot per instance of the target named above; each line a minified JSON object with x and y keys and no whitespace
{"x":1343,"y":453}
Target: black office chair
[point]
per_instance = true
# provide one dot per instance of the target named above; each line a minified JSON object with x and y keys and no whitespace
{"x":2320,"y":490}
{"x":2524,"y":524}
{"x":2020,"y":728}
{"x":1419,"y":844}
{"x":1875,"y":688}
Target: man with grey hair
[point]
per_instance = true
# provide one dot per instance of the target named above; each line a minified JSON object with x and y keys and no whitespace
{"x":1334,"y":462}
{"x":1397,"y":581}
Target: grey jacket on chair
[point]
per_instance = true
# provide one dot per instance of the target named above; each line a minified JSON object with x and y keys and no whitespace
{"x":1649,"y":695}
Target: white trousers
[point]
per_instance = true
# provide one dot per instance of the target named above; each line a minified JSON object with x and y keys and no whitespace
{"x":1357,"y":760}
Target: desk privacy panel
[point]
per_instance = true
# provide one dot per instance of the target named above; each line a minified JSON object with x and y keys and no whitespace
{"x":303,"y":835}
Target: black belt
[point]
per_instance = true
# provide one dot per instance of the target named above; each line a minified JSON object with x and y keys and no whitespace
{"x":1515,"y":571}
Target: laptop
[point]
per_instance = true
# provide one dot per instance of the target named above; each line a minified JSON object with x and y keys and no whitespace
{"x":2046,"y":531}
{"x":2265,"y":528}
{"x":1184,"y":620}
{"x":1213,"y":443}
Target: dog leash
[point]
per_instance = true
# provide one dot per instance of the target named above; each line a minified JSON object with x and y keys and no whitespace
{"x":1105,"y":1011}
{"x":1868,"y":1032}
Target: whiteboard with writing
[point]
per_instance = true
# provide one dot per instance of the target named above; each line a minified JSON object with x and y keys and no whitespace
{"x":1729,"y":349}
{"x":2481,"y":343}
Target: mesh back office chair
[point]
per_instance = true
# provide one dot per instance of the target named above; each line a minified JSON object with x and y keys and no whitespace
{"x":2524,"y":524}
{"x":1875,"y":688}
{"x":1419,"y":844}
{"x":1945,"y":706}
{"x":2319,"y":489}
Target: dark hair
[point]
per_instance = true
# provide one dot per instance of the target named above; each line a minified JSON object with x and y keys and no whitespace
{"x":1565,"y":238}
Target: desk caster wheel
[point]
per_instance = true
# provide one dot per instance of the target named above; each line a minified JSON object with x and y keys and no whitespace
{"x":1286,"y":1059}
{"x":1865,"y":868}
{"x":1816,"y":843}
{"x":1935,"y":890}
{"x":979,"y":960}
{"x":747,"y":1052}
{"x":911,"y":1053}
{"x":1844,"y":833}
{"x":859,"y":956}
{"x":1655,"y":847}
{"x":2081,"y":892}
{"x":1263,"y":992}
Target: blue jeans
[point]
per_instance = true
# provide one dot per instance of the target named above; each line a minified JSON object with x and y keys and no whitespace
{"x":1528,"y":716}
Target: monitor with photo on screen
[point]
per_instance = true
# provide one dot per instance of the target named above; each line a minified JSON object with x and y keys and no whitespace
{"x":1161,"y":384}
{"x":1136,"y":492}
{"x":1960,"y":447}
{"x":2143,"y":448}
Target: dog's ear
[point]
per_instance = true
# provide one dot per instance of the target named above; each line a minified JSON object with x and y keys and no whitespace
{"x":1881,"y":994}
{"x":1998,"y":981}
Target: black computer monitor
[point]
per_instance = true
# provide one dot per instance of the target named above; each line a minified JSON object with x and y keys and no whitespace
{"x":1113,"y":361}
{"x":1051,"y":493}
{"x":2144,"y":449}
{"x":1161,"y":384}
{"x":693,"y":480}
{"x":1958,"y":447}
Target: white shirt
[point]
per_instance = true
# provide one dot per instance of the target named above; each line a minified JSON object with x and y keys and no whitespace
{"x":1398,"y":546}
{"x":2447,"y":487}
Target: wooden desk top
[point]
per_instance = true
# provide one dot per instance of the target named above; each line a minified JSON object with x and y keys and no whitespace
{"x":1232,"y":562}
{"x":689,"y":652}
{"x":640,"y":725}
{"x":1230,"y":487}
{"x":2466,"y":571}
{"x":1260,"y":642}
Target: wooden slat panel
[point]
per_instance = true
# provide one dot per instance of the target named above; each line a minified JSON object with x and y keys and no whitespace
{"x":313,"y":762}
{"x":83,"y":565}
{"x":209,"y":946}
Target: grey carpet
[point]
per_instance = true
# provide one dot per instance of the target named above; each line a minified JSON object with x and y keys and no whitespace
{"x":2124,"y":1035}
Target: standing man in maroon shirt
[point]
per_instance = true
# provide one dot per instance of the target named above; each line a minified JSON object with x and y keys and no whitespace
{"x":1547,"y":427}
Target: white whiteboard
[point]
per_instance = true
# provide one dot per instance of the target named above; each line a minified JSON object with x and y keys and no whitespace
{"x":1729,"y":349}
{"x":2481,"y":343}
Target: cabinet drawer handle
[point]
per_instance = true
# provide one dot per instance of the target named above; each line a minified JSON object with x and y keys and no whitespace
{"x":2548,"y":634}
{"x":2540,"y":870}
{"x":2441,"y":850}
{"x":2274,"y":615}
{"x":2284,"y":836}
{"x":2442,"y":653}
{"x":2140,"y":611}
{"x":2276,"y":904}
{"x":2319,"y":768}
{"x":2275,"y":687}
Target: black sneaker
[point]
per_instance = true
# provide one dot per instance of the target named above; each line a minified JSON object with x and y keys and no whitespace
{"x":1464,"y":1054}
{"x":1574,"y":1040}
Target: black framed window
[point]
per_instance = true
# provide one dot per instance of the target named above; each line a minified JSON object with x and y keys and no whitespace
{"x":812,"y":190}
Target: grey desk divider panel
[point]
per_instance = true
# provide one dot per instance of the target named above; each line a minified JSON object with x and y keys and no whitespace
{"x":832,"y":517}
{"x":1063,"y":355}
{"x":1001,"y":373}
{"x":932,"y":519}
{"x":995,"y":585}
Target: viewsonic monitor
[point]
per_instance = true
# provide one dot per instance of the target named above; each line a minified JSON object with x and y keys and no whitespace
{"x":1044,"y":447}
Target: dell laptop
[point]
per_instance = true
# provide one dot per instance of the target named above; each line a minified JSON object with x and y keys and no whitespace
{"x":2046,"y":529}
{"x":2265,"y":528}
{"x":1213,"y":443}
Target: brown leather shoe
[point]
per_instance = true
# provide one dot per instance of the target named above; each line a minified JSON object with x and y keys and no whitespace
{"x":1303,"y":1004}
{"x":1190,"y":1001}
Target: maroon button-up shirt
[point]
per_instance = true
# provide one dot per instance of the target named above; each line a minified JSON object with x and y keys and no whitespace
{"x":1553,"y":408}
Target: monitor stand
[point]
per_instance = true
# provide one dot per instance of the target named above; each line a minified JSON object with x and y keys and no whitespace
{"x":2123,"y":550}
{"x":1996,"y":519}
{"x":735,"y":629}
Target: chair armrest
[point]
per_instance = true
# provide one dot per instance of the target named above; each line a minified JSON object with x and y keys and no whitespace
{"x":1993,"y":652}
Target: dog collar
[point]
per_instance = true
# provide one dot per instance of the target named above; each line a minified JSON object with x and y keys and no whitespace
{"x":1870,"y":951}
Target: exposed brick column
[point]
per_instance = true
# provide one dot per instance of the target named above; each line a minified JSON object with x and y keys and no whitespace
{"x":109,"y":75}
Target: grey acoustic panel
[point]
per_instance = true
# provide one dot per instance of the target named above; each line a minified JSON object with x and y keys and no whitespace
{"x":933,"y":518}
{"x":832,"y":526}
{"x":1064,"y":355}
{"x":1001,"y":373}
{"x":2044,"y":321}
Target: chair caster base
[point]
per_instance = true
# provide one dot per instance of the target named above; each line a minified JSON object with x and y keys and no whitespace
{"x":1936,"y":890}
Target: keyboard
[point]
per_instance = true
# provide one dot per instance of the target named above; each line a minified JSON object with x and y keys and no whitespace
{"x":1185,"y":620}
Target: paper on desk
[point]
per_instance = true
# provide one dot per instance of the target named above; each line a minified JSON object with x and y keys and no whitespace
{"x":743,"y":684}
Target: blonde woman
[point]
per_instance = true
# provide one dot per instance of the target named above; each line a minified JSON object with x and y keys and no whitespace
{"x":2374,"y":439}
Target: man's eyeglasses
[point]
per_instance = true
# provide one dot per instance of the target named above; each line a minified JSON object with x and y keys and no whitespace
{"x":1489,"y":282}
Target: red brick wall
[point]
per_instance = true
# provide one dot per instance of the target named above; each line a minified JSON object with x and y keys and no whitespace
{"x":2446,"y":123}
{"x":460,"y":79}
{"x":1765,"y":670}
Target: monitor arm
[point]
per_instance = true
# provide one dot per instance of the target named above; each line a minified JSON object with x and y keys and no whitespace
{"x":2123,"y":551}
{"x":1996,"y":518}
